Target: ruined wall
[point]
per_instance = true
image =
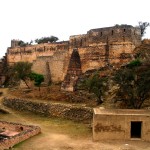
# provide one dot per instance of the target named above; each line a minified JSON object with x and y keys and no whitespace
{"x":116,"y":124}
{"x":14,"y":43}
{"x":73,"y":72}
{"x":98,"y":48}
{"x":118,"y":33}
{"x":67,"y":111}
{"x":52,"y":67}
{"x":31,"y":52}
{"x":103,"y":46}
{"x":28,"y":131}
{"x":98,"y":55}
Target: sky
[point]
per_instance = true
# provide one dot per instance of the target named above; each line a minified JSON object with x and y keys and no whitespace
{"x":31,"y":19}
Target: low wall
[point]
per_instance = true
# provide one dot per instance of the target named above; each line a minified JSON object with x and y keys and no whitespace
{"x":28,"y":132}
{"x":66,"y":111}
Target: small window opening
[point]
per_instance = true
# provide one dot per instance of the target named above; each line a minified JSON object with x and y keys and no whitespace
{"x":124,"y":30}
{"x":136,"y":129}
{"x":112,"y":32}
{"x":21,"y":128}
{"x":101,"y":33}
{"x":81,"y":42}
{"x":75,"y":42}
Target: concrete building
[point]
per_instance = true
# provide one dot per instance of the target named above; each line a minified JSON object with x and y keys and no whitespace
{"x":121,"y":124}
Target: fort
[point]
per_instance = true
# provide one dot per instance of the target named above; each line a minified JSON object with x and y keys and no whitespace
{"x":65,"y":61}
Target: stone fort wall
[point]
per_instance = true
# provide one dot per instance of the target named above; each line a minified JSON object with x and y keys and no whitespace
{"x":52,"y":67}
{"x":31,"y":52}
{"x":97,"y":48}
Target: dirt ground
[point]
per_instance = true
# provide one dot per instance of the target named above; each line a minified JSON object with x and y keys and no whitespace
{"x":59,"y":134}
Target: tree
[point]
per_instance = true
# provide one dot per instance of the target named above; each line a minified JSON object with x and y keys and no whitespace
{"x":134,"y":84}
{"x":97,"y":85}
{"x":143,"y":26}
{"x":22,"y":43}
{"x":46,"y":40}
{"x":38,"y":79}
{"x":143,"y":51}
{"x":22,"y":71}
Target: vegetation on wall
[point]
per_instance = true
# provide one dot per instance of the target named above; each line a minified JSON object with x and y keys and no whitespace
{"x":134,"y":84}
{"x":38,"y":79}
{"x":22,"y":71}
{"x":22,"y":43}
{"x":46,"y":40}
{"x":96,"y":85}
{"x":143,"y":26}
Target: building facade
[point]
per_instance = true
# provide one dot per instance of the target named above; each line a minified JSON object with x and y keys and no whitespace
{"x":98,"y":48}
{"x":121,"y":124}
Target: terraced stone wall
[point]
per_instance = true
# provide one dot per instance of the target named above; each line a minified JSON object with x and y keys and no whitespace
{"x":66,"y":111}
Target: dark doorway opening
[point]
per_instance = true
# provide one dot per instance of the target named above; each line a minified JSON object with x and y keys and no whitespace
{"x":136,"y":129}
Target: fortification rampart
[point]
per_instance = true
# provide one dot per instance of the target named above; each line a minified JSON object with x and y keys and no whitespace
{"x":123,"y":33}
{"x":31,"y":52}
{"x":52,"y":67}
{"x":97,"y":48}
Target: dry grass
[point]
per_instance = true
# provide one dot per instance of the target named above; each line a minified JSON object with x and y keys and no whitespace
{"x":52,"y":94}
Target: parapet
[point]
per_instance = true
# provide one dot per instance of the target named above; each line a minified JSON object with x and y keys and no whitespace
{"x":117,"y":33}
{"x":77,"y":41}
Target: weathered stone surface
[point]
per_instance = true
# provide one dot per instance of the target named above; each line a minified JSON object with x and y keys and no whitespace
{"x":67,"y":111}
{"x":98,"y":48}
{"x":73,"y":72}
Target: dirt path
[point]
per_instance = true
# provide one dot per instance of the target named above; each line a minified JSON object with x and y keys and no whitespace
{"x":59,"y":134}
{"x":4,"y":93}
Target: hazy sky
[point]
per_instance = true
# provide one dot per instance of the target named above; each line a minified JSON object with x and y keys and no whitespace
{"x":30,"y":19}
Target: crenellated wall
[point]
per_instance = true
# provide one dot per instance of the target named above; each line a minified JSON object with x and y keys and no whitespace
{"x":99,"y":47}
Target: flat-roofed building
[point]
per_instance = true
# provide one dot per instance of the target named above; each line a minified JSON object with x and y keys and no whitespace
{"x":121,"y":124}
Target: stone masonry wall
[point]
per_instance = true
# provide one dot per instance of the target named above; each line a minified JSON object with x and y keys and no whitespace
{"x":31,"y":52}
{"x":67,"y":111}
{"x":98,"y":48}
{"x":52,"y":67}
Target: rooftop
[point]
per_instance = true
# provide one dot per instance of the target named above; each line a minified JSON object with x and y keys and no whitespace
{"x":139,"y":112}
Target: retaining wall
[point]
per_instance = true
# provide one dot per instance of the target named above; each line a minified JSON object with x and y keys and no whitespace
{"x":66,"y":111}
